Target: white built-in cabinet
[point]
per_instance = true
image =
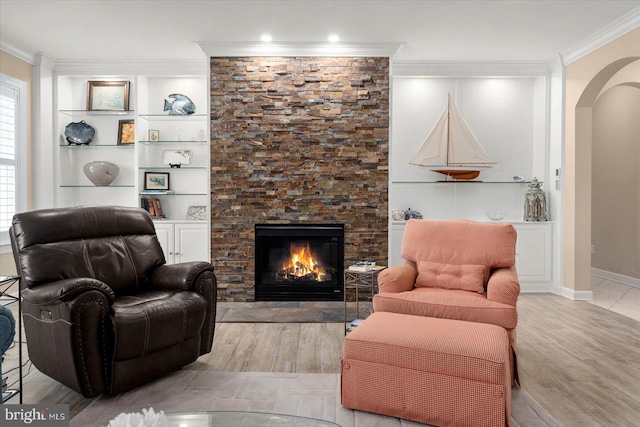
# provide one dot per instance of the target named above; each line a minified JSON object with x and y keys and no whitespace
{"x":73,"y":187}
{"x":181,"y":239}
{"x":533,"y":252}
{"x":507,"y":114}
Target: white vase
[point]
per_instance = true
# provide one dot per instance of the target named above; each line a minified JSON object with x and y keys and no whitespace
{"x":101,"y":173}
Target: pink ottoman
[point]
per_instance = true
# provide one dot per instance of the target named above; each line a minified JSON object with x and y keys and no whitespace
{"x":434,"y":371}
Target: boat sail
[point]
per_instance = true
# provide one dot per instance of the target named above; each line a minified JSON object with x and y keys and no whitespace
{"x":451,"y":148}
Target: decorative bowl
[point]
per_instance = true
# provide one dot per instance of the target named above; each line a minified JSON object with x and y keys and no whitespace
{"x":79,"y":133}
{"x":101,"y":173}
{"x":495,"y":216}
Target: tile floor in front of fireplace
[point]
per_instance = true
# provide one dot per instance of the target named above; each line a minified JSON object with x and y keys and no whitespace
{"x":291,"y":311}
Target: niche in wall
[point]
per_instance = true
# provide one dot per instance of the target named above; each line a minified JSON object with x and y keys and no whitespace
{"x":507,"y":115}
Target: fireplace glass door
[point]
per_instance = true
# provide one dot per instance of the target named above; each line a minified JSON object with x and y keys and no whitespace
{"x":299,"y":262}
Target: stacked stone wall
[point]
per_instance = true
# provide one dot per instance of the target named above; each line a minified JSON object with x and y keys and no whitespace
{"x":296,"y":139}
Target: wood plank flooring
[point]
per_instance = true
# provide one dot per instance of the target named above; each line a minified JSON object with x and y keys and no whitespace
{"x":579,"y":361}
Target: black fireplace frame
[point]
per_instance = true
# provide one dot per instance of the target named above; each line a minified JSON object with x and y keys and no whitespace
{"x":293,"y":291}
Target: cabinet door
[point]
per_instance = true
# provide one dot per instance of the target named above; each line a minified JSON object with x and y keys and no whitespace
{"x":191,"y":243}
{"x":397,"y":231}
{"x":533,"y":252}
{"x":165,"y":233}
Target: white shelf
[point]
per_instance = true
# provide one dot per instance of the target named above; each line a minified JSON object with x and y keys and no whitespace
{"x":166,"y":116}
{"x":73,"y":113}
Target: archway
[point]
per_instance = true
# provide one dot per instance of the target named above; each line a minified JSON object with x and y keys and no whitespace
{"x":577,"y":254}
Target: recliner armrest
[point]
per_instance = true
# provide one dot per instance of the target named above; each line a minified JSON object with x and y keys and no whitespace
{"x":180,"y":276}
{"x":398,"y":279}
{"x":65,"y":290}
{"x":503,"y":286}
{"x":197,"y":277}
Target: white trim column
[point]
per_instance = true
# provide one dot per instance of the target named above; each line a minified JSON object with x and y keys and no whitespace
{"x":43,"y":169}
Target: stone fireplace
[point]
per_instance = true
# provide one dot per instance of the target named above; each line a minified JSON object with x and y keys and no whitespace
{"x":296,"y":140}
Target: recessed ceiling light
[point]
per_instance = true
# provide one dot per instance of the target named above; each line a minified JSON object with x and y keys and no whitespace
{"x":266,"y":38}
{"x":334,"y":38}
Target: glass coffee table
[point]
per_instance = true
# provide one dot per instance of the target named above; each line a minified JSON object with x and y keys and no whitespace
{"x":242,"y":419}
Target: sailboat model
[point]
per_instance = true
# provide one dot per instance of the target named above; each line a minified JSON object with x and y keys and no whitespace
{"x":451,"y":148}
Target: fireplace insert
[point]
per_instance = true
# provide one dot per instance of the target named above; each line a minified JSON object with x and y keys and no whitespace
{"x":299,"y":262}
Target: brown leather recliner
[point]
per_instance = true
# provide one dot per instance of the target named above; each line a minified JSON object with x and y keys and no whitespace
{"x":102,"y":311}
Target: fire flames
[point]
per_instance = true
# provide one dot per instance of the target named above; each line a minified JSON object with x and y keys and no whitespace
{"x":302,"y":265}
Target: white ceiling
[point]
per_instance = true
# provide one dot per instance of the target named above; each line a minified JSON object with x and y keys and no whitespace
{"x":166,"y":30}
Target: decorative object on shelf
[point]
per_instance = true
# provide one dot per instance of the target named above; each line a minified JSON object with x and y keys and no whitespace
{"x":397,"y":214}
{"x":79,"y":133}
{"x":101,"y":173}
{"x":154,"y":135}
{"x":451,"y":148}
{"x":495,"y":216}
{"x":107,"y":95}
{"x":535,"y":203}
{"x":179,"y":105}
{"x":153,"y":206}
{"x":363,"y":266}
{"x":408,"y":214}
{"x":148,"y":418}
{"x":518,"y":178}
{"x":126,"y":132}
{"x":156,"y":180}
{"x":177,"y":158}
{"x":197,"y":213}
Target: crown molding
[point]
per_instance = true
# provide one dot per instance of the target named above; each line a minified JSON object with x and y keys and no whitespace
{"x":18,"y":53}
{"x":44,"y":62}
{"x":605,"y":35}
{"x":469,"y":68}
{"x":124,"y":67}
{"x":322,"y":49}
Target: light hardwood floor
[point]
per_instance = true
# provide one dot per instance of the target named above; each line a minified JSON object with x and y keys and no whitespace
{"x":580,"y":361}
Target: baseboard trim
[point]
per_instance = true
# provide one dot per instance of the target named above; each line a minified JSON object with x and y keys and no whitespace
{"x":576,"y":295}
{"x":615,"y":277}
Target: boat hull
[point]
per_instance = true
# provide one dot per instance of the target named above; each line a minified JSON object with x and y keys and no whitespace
{"x":462,"y":175}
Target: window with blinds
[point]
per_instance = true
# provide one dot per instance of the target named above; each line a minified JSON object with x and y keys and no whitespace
{"x":11,"y":129}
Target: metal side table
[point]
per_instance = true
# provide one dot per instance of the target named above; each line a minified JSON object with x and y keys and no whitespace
{"x":5,"y":283}
{"x":360,"y":280}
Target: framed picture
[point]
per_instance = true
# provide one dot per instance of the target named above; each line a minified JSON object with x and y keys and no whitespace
{"x":154,"y":135}
{"x":107,"y":95}
{"x":126,"y":132}
{"x":156,"y":180}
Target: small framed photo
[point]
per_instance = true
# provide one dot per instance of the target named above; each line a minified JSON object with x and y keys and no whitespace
{"x":154,"y":135}
{"x":156,"y":180}
{"x":126,"y":132}
{"x":107,"y":95}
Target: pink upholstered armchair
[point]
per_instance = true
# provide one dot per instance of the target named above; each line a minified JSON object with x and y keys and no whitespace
{"x":461,"y":270}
